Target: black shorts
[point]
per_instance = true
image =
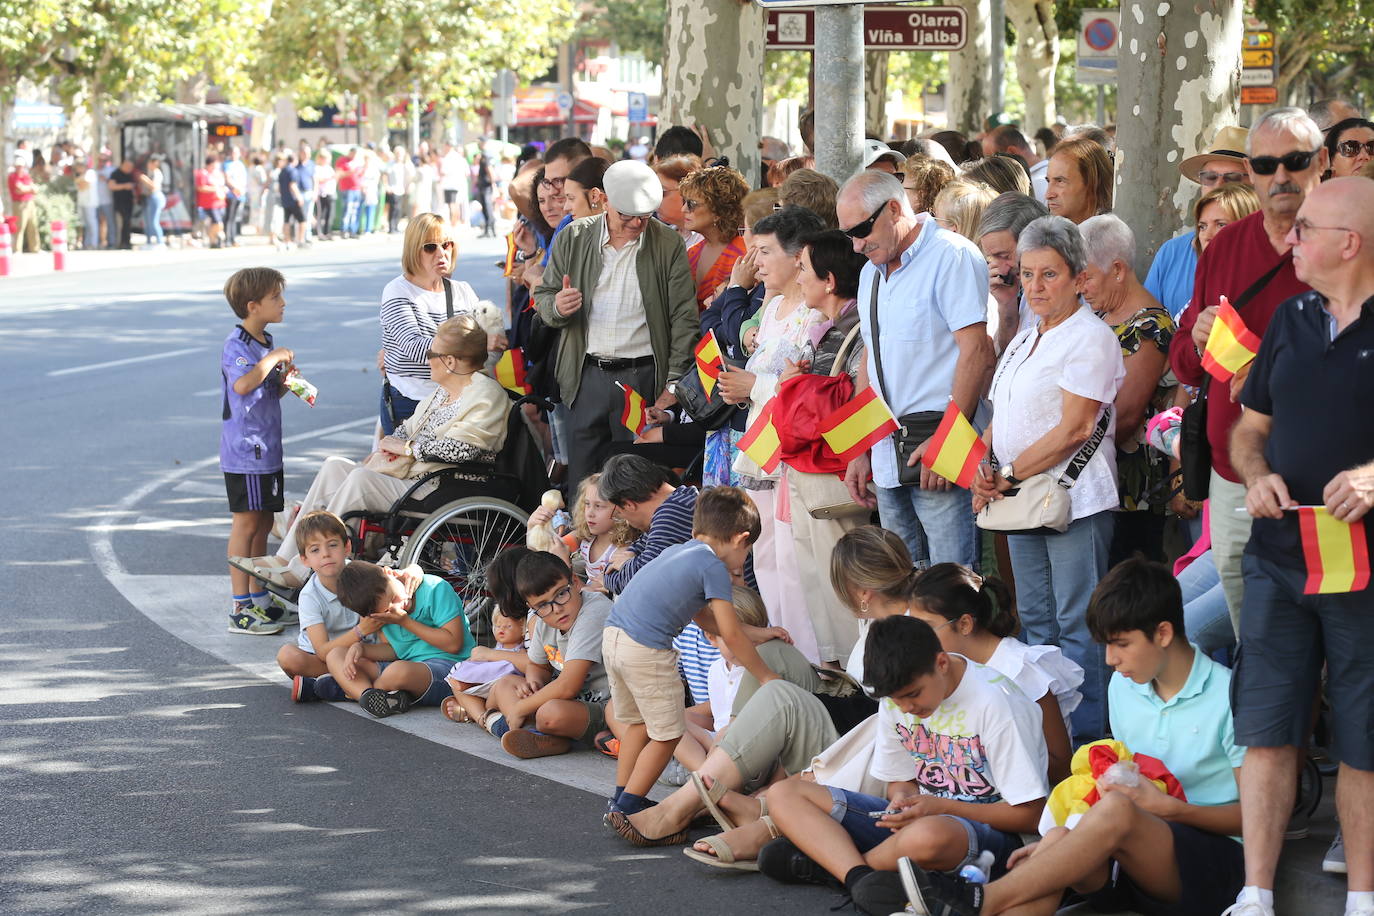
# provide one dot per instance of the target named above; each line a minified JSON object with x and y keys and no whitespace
{"x":450,"y":195}
{"x":293,"y":212}
{"x":254,"y":492}
{"x":1211,"y":872}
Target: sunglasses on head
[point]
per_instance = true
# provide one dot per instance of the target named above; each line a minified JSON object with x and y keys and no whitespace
{"x":431,"y":247}
{"x":1351,"y":148}
{"x":861,"y":230}
{"x":1296,"y":161}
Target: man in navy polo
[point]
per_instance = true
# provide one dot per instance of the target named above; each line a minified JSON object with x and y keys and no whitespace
{"x":1304,"y":439}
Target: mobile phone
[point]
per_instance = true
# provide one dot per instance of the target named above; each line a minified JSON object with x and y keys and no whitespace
{"x":879,"y":815}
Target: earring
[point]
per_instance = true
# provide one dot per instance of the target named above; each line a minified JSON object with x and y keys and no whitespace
{"x":863,"y":606}
{"x":829,"y":289}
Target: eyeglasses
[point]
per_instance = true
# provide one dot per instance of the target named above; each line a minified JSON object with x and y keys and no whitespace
{"x":691,"y":205}
{"x":1210,"y":177}
{"x":555,"y":183}
{"x":431,"y":247}
{"x":1351,"y":148}
{"x":560,"y":598}
{"x":900,"y":176}
{"x":626,"y":219}
{"x":430,"y":354}
{"x":861,"y":230}
{"x":1296,"y":161}
{"x":1301,"y":226}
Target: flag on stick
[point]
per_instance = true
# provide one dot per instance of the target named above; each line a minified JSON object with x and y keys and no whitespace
{"x":709,"y":362}
{"x":855,"y":427}
{"x":760,"y":441}
{"x":634,"y":416}
{"x":1336,"y":553}
{"x":508,"y":268}
{"x":955,"y":449}
{"x":1230,"y":344}
{"x":510,"y":371}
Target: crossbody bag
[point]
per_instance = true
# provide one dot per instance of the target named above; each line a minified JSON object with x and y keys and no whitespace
{"x":913,"y":428}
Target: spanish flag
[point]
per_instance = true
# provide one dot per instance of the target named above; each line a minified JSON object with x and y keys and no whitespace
{"x":508,"y":268}
{"x":510,"y":371}
{"x":760,"y":441}
{"x":709,"y":362}
{"x":634,"y":416}
{"x":1336,"y":552}
{"x":955,"y":449}
{"x":1230,"y":345}
{"x":854,"y":428}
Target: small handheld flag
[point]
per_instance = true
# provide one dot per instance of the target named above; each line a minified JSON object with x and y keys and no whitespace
{"x":955,"y":449}
{"x":510,"y":371}
{"x":855,"y":427}
{"x":1230,"y":344}
{"x":709,"y":362}
{"x":761,"y":442}
{"x":634,"y":416}
{"x":508,"y":268}
{"x":1336,"y":552}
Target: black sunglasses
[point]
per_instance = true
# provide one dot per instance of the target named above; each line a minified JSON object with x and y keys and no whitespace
{"x":861,"y":230}
{"x":1351,"y":148}
{"x":1296,"y":161}
{"x":431,"y":247}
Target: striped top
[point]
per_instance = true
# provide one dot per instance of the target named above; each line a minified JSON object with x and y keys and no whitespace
{"x":671,"y":524}
{"x":695,"y":655}
{"x":410,"y":315}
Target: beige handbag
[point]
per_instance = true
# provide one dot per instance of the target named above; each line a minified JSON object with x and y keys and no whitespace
{"x":824,"y":495}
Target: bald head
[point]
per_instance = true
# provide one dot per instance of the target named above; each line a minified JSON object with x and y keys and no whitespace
{"x":1337,"y":225}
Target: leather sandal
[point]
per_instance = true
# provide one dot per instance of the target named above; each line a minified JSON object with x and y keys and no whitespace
{"x":620,"y":822}
{"x":724,"y":856}
{"x":710,"y":798}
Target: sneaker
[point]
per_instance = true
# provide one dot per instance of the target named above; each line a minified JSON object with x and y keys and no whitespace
{"x":933,"y":893}
{"x":383,"y":703}
{"x":528,"y":744}
{"x":1248,"y":904}
{"x":782,"y":861}
{"x":675,"y":775}
{"x":328,"y":689}
{"x":250,"y":621}
{"x":278,"y":611}
{"x":879,"y":893}
{"x":1333,"y":863}
{"x":303,"y":690}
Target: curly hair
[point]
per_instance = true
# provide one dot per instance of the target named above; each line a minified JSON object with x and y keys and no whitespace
{"x":925,"y":179}
{"x":722,"y":190}
{"x":622,"y":533}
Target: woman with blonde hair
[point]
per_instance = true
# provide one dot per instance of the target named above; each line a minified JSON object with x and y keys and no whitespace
{"x":959,"y":207}
{"x":1218,"y":208}
{"x":923,"y":178}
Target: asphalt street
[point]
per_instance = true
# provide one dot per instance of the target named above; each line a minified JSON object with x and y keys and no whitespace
{"x":150,"y":763}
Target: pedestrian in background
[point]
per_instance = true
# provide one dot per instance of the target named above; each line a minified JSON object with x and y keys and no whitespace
{"x":153,"y":183}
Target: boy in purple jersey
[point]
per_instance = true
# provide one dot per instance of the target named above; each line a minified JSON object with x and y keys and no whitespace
{"x":254,"y":379}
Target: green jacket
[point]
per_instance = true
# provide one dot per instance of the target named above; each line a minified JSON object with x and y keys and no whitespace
{"x":665,"y":283}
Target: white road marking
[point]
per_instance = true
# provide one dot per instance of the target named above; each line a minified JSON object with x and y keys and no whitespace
{"x":124,"y":362}
{"x":359,"y":322}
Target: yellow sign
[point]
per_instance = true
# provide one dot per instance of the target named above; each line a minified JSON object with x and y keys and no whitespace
{"x":1259,"y":39}
{"x":1257,"y":58}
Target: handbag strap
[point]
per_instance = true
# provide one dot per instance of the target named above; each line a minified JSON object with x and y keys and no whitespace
{"x":1084,"y":455}
{"x":448,"y":297}
{"x":843,"y":354}
{"x":873,"y":322}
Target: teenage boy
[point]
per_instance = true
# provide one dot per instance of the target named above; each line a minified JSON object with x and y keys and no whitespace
{"x":963,"y":754}
{"x":686,"y":582}
{"x":1137,"y":849}
{"x":424,"y":633}
{"x":565,"y":657}
{"x":253,"y":377}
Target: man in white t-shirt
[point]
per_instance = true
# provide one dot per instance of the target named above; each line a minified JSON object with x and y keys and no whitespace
{"x":963,"y":754}
{"x":453,"y":181}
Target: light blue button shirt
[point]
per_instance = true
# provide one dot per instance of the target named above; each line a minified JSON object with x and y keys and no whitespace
{"x":1191,"y":733}
{"x":1171,"y":275}
{"x":940,"y":286}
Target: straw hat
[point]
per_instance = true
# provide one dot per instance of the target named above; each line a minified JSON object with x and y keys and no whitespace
{"x":1229,"y":143}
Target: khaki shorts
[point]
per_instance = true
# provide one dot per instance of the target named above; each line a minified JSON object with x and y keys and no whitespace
{"x":645,"y":685}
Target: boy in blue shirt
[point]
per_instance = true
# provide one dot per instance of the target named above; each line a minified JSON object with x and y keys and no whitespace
{"x":424,"y":634}
{"x":253,"y":378}
{"x":1136,"y":849}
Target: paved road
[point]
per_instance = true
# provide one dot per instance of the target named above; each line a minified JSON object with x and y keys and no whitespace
{"x":147,"y":765}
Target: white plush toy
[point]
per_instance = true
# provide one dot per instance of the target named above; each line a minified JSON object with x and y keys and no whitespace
{"x":543,"y":537}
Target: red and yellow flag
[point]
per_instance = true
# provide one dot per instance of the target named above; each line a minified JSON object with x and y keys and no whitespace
{"x":855,"y":427}
{"x":1336,"y":552}
{"x":1230,"y":345}
{"x":955,"y":449}
{"x":709,"y":362}
{"x":634,"y":416}
{"x":761,"y":442}
{"x":508,"y":268}
{"x":510,"y":371}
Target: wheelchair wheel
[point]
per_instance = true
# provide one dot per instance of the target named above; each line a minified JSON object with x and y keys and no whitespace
{"x":458,"y":540}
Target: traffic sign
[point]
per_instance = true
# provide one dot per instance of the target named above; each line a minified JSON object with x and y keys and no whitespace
{"x":1258,"y":76}
{"x":637,"y":108}
{"x":565,"y":101}
{"x":1099,"y":35}
{"x":1261,"y":95}
{"x":1259,"y":63}
{"x":787,"y":4}
{"x":1260,"y":57}
{"x":1264,"y":39}
{"x":886,"y":28}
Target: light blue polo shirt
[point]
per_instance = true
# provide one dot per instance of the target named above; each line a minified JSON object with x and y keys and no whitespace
{"x":940,"y":287}
{"x":1192,"y":733}
{"x":1172,"y":273}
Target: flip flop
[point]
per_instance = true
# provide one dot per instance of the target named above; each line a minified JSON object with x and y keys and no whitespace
{"x":608,"y":744}
{"x":454,"y":712}
{"x":724,"y":856}
{"x":273,"y":570}
{"x":620,"y":823}
{"x":710,"y":797}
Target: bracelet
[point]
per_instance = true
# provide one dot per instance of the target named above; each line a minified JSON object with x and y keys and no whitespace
{"x":357,"y":631}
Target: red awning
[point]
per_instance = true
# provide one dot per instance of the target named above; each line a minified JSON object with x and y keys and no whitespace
{"x":539,"y":108}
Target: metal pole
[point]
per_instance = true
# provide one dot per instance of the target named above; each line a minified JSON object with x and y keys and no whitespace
{"x":998,"y":98}
{"x":414,"y":116}
{"x":1101,"y":105}
{"x":839,"y":87}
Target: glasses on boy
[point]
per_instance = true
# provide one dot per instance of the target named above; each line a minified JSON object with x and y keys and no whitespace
{"x":560,"y":598}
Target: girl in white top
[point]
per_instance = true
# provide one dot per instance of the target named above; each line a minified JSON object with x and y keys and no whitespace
{"x":597,"y":532}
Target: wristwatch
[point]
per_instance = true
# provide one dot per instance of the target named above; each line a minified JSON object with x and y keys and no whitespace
{"x":1005,"y":472}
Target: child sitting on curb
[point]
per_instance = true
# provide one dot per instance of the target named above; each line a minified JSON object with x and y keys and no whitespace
{"x":484,"y":667}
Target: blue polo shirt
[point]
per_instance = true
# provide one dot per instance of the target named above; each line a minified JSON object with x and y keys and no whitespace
{"x":1191,"y":733}
{"x":1172,"y":273}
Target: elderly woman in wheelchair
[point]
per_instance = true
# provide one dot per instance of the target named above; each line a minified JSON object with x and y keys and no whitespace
{"x":463,"y":421}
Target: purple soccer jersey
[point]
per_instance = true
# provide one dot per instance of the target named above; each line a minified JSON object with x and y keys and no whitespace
{"x":250,"y":439}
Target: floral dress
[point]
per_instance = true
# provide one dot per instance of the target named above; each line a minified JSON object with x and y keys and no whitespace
{"x":1142,"y":473}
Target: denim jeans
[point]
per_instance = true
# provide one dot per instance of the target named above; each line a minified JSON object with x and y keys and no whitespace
{"x":107,"y":215}
{"x":90,"y":222}
{"x":352,"y":202}
{"x":369,"y":218}
{"x":402,"y":406}
{"x":1205,"y":615}
{"x":1055,"y":577}
{"x":937,"y":525}
{"x":152,"y":216}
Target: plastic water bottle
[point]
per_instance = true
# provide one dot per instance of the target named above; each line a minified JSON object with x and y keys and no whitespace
{"x":978,"y":871}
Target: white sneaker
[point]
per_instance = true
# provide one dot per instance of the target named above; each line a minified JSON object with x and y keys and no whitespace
{"x":1333,"y":863}
{"x":1248,"y":904}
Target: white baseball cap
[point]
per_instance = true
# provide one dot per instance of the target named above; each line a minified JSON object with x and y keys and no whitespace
{"x":877,"y":149}
{"x":632,"y":188}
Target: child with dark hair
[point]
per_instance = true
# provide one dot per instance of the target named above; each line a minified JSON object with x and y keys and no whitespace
{"x":1137,"y":848}
{"x":962,"y":753}
{"x":973,"y":615}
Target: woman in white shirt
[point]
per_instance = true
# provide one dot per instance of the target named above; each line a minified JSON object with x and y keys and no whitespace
{"x":153,"y":182}
{"x":1051,"y":392}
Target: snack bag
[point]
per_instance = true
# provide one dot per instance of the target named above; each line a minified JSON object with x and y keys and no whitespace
{"x":297,"y":385}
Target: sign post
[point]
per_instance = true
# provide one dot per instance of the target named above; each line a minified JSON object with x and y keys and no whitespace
{"x":885,"y":28}
{"x":1099,"y":36}
{"x":1259,"y":57}
{"x":637,"y":108}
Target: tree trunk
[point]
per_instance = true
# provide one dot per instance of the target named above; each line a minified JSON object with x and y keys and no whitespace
{"x":1037,"y":56}
{"x":1178,"y":84}
{"x":970,"y":71}
{"x":875,"y":94}
{"x":376,"y":118}
{"x":713,"y":75}
{"x":6,"y":118}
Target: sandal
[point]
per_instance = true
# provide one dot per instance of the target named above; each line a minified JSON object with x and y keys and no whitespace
{"x":724,"y":856}
{"x":453,"y":711}
{"x":710,"y":797}
{"x":608,"y":744}
{"x":620,"y":823}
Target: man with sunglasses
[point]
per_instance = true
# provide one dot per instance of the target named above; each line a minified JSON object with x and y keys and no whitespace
{"x":1305,"y":440}
{"x":1250,"y":256}
{"x":923,"y":316}
{"x":1171,"y":274}
{"x":620,"y":289}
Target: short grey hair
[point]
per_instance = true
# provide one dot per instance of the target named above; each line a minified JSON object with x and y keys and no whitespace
{"x":875,"y":188}
{"x":1321,"y":111}
{"x":1106,"y":239}
{"x":1010,"y":212}
{"x":1294,"y":120}
{"x":1057,"y":234}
